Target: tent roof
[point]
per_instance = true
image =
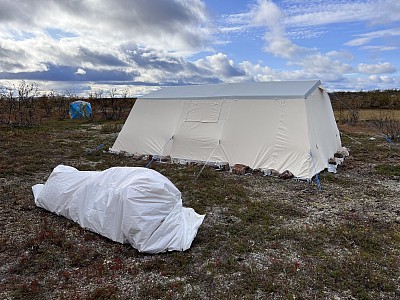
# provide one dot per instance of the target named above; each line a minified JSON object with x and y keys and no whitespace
{"x":264,"y":90}
{"x":79,"y":101}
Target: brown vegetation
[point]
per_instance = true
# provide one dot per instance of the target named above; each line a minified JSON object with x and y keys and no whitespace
{"x":22,"y":106}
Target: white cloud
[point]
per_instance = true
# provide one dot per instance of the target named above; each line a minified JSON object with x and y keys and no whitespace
{"x":80,"y":71}
{"x":365,"y":38}
{"x":317,"y":13}
{"x":380,"y":68}
{"x":380,"y":79}
{"x":282,"y":47}
{"x":98,"y":37}
{"x":267,"y":13}
{"x":312,"y":62}
{"x":341,"y":55}
{"x":379,"y":48}
{"x":257,"y":72}
{"x":220,"y":66}
{"x":305,"y":33}
{"x":175,"y":25}
{"x":230,"y":29}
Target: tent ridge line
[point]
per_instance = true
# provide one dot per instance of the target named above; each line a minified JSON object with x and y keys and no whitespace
{"x":277,"y":97}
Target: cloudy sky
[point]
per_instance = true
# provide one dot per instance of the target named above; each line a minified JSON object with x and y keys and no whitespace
{"x":91,"y":45}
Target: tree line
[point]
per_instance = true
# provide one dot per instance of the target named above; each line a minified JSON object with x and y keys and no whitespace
{"x":375,"y":99}
{"x":23,"y":106}
{"x":381,"y":103}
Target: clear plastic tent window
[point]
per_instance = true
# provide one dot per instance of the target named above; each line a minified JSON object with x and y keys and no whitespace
{"x":125,"y":204}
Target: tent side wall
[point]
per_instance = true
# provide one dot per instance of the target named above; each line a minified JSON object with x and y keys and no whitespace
{"x":231,"y":136}
{"x":323,"y":130}
{"x":260,"y":133}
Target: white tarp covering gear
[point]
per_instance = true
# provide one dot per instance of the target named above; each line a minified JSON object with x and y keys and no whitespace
{"x":125,"y":204}
{"x":281,"y":125}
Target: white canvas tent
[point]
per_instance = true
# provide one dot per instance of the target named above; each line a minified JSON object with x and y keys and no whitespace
{"x":282,"y":125}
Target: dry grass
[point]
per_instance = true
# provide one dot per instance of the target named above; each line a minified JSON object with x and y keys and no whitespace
{"x":262,"y":238}
{"x":368,"y":114}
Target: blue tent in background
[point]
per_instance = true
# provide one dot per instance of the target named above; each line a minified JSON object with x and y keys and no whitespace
{"x":79,"y":109}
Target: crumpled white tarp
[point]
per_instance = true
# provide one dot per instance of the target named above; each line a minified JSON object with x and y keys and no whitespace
{"x":125,"y":204}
